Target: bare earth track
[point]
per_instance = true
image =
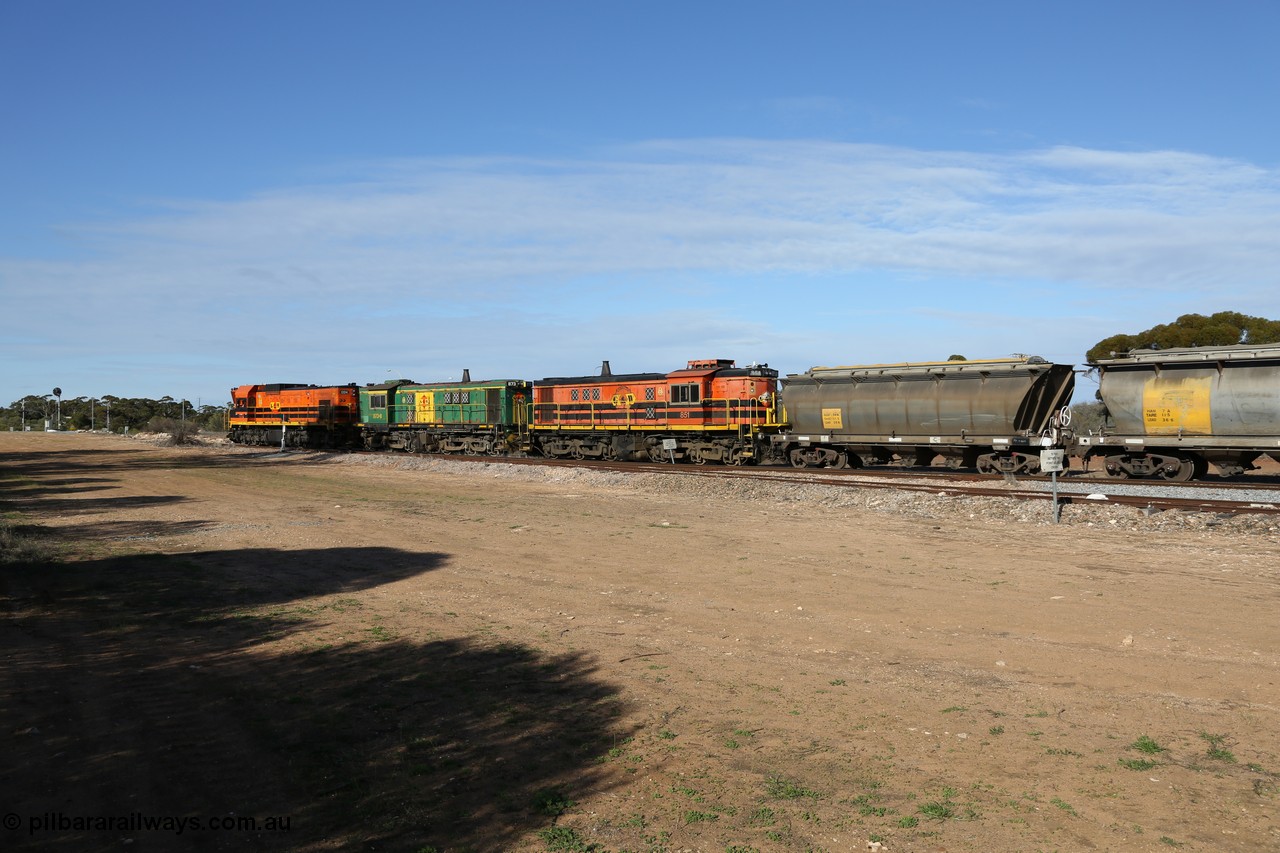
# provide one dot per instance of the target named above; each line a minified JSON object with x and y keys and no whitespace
{"x":414,"y":654}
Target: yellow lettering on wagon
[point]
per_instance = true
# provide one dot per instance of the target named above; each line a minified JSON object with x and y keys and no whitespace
{"x":832,"y":419}
{"x":1173,"y":406}
{"x":425,"y":406}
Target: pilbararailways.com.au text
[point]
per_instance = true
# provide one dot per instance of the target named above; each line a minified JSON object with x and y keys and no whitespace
{"x":139,"y":822}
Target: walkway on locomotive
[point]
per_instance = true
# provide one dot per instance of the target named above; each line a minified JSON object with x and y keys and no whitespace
{"x":708,"y":395}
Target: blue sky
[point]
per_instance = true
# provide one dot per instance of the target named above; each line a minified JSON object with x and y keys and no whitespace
{"x":199,"y":195}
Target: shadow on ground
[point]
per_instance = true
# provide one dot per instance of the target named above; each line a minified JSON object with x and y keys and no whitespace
{"x":193,"y":686}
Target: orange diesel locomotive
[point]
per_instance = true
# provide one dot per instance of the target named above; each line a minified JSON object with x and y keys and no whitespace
{"x":711,"y":411}
{"x":295,"y":415}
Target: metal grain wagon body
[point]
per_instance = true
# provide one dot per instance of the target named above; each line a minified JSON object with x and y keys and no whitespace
{"x":987,"y":414}
{"x":1174,"y":412}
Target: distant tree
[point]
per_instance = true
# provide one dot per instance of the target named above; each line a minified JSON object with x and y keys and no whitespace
{"x":956,"y":358}
{"x":179,"y":431}
{"x":133,"y":413}
{"x":1193,"y":330}
{"x":1087,"y":417}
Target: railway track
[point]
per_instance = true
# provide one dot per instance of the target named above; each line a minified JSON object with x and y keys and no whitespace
{"x":1260,"y":496}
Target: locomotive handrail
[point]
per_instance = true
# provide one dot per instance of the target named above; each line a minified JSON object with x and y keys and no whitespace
{"x":719,"y":411}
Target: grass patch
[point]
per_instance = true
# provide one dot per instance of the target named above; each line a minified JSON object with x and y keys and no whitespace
{"x":938,"y":810}
{"x":1146,"y":745}
{"x":785,"y":789}
{"x":1064,"y":805}
{"x":563,"y":838}
{"x":1216,"y":749}
{"x":552,"y":802}
{"x":26,"y":545}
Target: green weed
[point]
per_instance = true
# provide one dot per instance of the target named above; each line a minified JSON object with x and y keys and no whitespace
{"x":551,"y":801}
{"x":1146,"y":745}
{"x":564,"y":838}
{"x":1216,"y":750}
{"x":784,"y":789}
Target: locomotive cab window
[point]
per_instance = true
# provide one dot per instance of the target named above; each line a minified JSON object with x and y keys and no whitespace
{"x":377,"y":401}
{"x":686,"y":393}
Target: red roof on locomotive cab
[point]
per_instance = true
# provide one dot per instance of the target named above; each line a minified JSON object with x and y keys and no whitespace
{"x":700,"y":367}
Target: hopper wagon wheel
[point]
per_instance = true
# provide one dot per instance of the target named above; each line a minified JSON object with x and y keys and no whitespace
{"x":798,"y":460}
{"x":1177,"y":469}
{"x":1115,"y":468}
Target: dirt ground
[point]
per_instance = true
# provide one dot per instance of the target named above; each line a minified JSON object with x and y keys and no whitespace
{"x":362,"y":656}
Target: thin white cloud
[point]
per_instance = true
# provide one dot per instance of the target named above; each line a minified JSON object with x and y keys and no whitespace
{"x":666,"y":227}
{"x":1063,"y":214}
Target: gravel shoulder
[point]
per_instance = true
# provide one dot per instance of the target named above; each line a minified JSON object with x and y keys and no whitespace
{"x":420,"y":653}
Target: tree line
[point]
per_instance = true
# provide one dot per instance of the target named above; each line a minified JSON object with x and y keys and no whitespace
{"x":1226,"y":328}
{"x":136,"y":414}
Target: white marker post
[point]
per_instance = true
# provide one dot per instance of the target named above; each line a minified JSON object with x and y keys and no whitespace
{"x":1051,"y":460}
{"x":670,"y":445}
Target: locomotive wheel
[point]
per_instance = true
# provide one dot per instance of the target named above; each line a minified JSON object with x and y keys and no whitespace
{"x":696,"y":457}
{"x":411,"y":444}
